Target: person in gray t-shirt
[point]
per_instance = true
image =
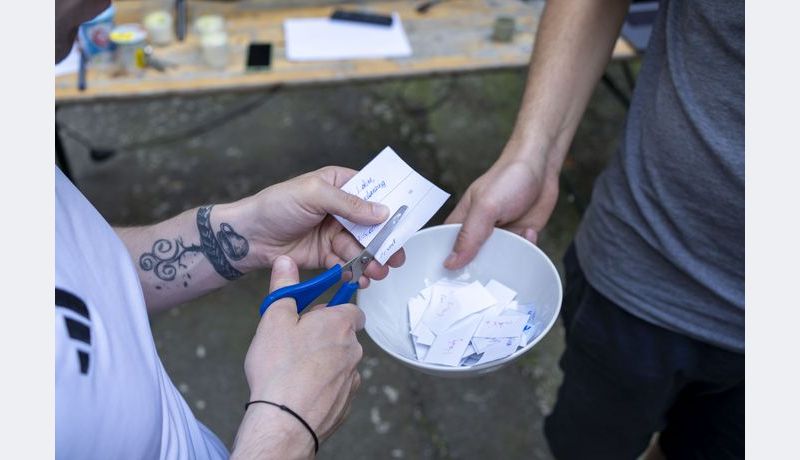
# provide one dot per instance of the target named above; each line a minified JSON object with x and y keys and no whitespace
{"x":654,"y":300}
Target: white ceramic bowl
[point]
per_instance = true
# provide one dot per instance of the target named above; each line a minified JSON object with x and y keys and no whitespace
{"x":506,"y":257}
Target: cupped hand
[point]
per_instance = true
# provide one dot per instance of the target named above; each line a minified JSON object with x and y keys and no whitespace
{"x":513,"y":194}
{"x":294,"y":218}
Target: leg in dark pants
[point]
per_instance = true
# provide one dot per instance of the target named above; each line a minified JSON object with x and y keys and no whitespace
{"x":623,"y":377}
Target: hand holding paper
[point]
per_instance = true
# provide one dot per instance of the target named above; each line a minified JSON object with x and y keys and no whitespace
{"x":390,"y":181}
{"x":292,"y":218}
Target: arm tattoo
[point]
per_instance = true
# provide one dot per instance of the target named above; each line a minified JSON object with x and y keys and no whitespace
{"x":226,"y":244}
{"x":219,"y":249}
{"x":163,"y":258}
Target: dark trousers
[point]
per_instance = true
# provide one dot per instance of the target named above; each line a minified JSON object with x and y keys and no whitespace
{"x":625,"y":379}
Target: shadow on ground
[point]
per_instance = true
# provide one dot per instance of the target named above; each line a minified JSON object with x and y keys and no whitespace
{"x":450,"y":129}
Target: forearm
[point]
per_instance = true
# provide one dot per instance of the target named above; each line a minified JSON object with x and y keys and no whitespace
{"x":574,"y":42}
{"x":193,"y":253}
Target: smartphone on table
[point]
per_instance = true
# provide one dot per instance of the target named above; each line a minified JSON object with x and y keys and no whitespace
{"x":259,"y":56}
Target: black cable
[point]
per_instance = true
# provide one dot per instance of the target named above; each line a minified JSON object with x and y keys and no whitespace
{"x":99,"y":153}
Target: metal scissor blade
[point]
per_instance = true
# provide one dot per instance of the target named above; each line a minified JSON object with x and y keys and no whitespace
{"x":359,"y":264}
{"x":387,"y":230}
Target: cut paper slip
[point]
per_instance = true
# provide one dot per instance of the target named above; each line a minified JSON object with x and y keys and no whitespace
{"x":321,"y":39}
{"x":461,"y":324}
{"x":389,"y":180}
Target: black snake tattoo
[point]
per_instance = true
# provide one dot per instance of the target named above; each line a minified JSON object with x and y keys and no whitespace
{"x":164,"y":259}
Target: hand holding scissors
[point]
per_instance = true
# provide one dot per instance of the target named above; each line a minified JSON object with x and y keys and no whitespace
{"x":304,"y":293}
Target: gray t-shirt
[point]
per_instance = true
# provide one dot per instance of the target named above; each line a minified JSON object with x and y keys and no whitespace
{"x":664,"y":234}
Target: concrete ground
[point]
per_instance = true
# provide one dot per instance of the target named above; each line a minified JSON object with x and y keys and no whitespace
{"x":450,"y":129}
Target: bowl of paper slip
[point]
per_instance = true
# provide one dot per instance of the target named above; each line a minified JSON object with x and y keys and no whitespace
{"x":466,"y":322}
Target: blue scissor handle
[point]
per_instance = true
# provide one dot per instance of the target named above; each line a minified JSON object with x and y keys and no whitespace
{"x":344,"y":293}
{"x":304,"y":293}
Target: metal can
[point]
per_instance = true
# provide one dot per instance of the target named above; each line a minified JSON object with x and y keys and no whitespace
{"x":504,"y":28}
{"x":129,"y":41}
{"x":93,"y":35}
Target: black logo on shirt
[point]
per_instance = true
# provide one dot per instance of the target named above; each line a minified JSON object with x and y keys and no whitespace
{"x":77,"y":330}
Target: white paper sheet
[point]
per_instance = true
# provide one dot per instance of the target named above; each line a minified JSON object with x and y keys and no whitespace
{"x":317,"y":39}
{"x":528,"y":309}
{"x":499,"y":350}
{"x":416,"y":308}
{"x":531,"y":330}
{"x":389,"y":180}
{"x":421,"y":350}
{"x":501,"y":292}
{"x":473,"y":298}
{"x":463,"y":324}
{"x":423,"y":334}
{"x":480,"y":344}
{"x":443,"y":310}
{"x":501,"y":326}
{"x":426,"y":294}
{"x":449,"y":347}
{"x":528,"y":332}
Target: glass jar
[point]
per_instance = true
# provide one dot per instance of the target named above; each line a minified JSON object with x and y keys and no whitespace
{"x":159,"y":21}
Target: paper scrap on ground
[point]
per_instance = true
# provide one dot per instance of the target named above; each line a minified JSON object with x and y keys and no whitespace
{"x":320,"y":39}
{"x":389,"y":180}
{"x":458,"y":323}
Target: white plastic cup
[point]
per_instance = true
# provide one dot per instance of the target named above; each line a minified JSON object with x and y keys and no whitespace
{"x":505,"y":257}
{"x":159,"y":26}
{"x":209,"y":23}
{"x":214,"y":47}
{"x":130,"y":40}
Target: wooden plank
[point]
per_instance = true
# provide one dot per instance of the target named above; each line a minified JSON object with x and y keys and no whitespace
{"x":453,"y":37}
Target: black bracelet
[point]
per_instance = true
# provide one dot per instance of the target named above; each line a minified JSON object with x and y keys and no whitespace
{"x":286,"y":409}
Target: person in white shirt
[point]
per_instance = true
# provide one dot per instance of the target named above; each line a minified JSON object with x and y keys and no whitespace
{"x":113,"y":396}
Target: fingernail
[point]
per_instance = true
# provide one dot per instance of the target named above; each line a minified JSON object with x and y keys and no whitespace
{"x":380,"y":210}
{"x":282,"y":264}
{"x":451,"y":259}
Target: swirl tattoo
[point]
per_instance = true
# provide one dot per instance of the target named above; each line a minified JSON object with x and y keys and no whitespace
{"x":164,"y":259}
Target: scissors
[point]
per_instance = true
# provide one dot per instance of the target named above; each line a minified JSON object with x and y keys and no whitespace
{"x":304,"y":293}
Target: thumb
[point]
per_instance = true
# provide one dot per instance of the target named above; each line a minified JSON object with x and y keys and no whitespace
{"x":531,"y":235}
{"x":284,"y":273}
{"x":338,"y":202}
{"x":477,"y":227}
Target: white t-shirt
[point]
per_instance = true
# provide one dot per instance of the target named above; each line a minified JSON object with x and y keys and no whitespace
{"x":114,"y":399}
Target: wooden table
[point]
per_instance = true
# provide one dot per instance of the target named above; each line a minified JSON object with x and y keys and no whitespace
{"x":451,"y":38}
